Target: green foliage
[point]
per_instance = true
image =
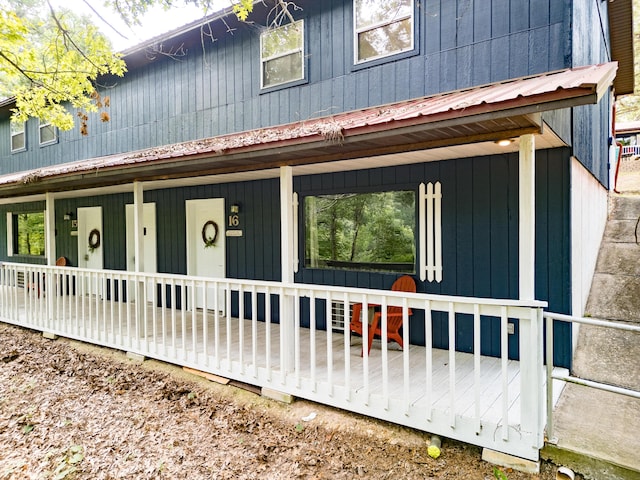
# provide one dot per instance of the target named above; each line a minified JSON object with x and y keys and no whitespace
{"x":499,"y":474}
{"x":30,"y":233}
{"x":67,"y":463}
{"x":242,"y":9}
{"x":365,"y":229}
{"x":52,"y":58}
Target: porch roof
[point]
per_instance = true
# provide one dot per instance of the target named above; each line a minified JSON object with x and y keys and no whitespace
{"x":486,"y":113}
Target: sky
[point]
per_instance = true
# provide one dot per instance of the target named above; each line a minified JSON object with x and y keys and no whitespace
{"x":156,"y":22}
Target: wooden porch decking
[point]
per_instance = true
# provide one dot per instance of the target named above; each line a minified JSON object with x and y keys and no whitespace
{"x":169,"y":335}
{"x":417,"y":387}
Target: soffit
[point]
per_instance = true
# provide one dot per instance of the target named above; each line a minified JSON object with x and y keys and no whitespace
{"x":477,"y":116}
{"x":621,"y":35}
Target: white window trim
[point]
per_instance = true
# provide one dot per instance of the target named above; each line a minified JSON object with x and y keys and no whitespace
{"x":357,"y":31}
{"x":430,"y":227}
{"x":15,"y":133}
{"x":263,"y":60}
{"x":9,"y":234}
{"x":49,"y":142}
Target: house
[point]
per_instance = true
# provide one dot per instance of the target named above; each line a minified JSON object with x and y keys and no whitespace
{"x":254,"y":183}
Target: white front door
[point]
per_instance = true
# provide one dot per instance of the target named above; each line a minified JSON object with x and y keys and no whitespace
{"x":90,"y":244}
{"x":206,"y":245}
{"x":149,"y":242}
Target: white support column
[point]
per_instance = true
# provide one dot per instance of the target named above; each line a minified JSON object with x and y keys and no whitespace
{"x":138,"y":226}
{"x":527,"y":217}
{"x":286,"y":253}
{"x":531,"y":364}
{"x":138,"y":244}
{"x":50,"y":249}
{"x":50,"y":228}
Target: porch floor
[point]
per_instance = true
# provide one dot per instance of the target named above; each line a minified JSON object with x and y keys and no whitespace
{"x":321,"y":361}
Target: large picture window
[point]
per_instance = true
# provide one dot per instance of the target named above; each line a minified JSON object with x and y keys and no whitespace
{"x":382,"y":28}
{"x":282,"y":54}
{"x":18,"y":136}
{"x":361,"y":231}
{"x":27,"y":233}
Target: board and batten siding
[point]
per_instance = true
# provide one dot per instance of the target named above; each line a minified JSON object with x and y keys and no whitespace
{"x":479,"y":237}
{"x":215,"y":89}
{"x":255,"y":255}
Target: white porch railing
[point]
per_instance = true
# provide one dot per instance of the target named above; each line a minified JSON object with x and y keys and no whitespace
{"x":630,"y":150}
{"x":281,"y":343}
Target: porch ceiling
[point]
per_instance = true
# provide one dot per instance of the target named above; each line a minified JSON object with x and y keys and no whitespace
{"x":429,"y":128}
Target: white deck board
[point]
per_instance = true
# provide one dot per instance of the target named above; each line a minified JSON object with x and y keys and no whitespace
{"x":250,"y":351}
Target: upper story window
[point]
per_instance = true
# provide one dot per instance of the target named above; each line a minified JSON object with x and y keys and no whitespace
{"x":18,"y":136}
{"x":48,"y":134}
{"x":382,"y":28}
{"x":282,"y":54}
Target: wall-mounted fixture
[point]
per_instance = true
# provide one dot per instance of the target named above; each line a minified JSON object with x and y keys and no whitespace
{"x":235,"y":208}
{"x":68,"y":216}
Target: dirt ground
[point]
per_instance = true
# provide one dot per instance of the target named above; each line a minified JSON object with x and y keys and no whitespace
{"x":74,"y":411}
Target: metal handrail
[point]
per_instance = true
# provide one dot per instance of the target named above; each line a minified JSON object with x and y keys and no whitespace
{"x":550,"y":317}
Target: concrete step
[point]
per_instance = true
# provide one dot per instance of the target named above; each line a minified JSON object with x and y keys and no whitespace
{"x":617,"y":353}
{"x":619,"y":258}
{"x":614,"y":297}
{"x":624,"y":207}
{"x":621,"y":231}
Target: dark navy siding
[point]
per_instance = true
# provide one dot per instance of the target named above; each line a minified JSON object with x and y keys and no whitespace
{"x":480,"y":237}
{"x":215,"y":90}
{"x":591,"y":124}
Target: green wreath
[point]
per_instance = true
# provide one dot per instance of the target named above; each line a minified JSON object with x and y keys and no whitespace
{"x":208,"y":240}
{"x":94,"y":239}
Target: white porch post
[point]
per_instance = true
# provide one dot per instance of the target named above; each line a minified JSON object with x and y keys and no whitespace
{"x":50,"y":250}
{"x":531,"y":366}
{"x":138,"y":205}
{"x":527,"y":217}
{"x":50,"y":228}
{"x":286,"y":245}
{"x":138,"y":242}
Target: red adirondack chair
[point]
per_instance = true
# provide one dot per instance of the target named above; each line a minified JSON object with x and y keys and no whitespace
{"x":394,"y":316}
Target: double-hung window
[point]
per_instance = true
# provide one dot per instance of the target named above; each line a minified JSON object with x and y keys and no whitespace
{"x":282,"y":54}
{"x":382,"y":28}
{"x":48,"y":134}
{"x":18,"y":136}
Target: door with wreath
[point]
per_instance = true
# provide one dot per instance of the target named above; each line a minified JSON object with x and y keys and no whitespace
{"x":90,"y":251}
{"x":206,"y":256}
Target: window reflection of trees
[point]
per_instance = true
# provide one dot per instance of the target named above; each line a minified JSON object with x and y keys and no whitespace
{"x":369,"y":231}
{"x":282,"y":54}
{"x":30,"y":233}
{"x":383,"y":27}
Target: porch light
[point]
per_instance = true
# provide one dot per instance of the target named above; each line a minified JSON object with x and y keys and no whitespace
{"x":505,"y":142}
{"x":235,"y":208}
{"x":68,"y":216}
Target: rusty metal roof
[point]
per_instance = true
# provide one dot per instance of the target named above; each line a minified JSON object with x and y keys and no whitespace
{"x":490,"y":112}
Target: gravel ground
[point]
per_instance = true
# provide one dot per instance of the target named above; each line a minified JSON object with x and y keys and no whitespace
{"x":74,"y":411}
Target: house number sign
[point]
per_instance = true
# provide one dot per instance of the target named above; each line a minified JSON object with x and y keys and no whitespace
{"x":234,"y":220}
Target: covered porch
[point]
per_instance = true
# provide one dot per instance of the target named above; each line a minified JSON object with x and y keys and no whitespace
{"x":276,"y":338}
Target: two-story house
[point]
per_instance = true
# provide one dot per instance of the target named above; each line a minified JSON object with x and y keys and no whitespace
{"x":252,"y":188}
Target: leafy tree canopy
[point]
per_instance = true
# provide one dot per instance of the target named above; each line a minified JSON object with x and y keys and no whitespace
{"x":51,"y":57}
